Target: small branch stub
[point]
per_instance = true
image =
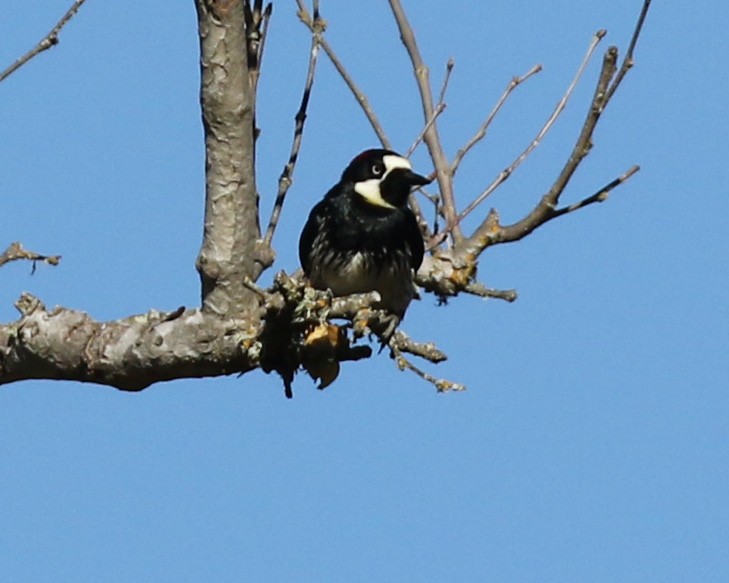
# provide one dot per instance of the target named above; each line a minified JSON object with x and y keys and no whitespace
{"x":16,"y":252}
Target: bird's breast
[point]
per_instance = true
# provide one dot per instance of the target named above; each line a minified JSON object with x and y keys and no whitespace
{"x":360,"y":272}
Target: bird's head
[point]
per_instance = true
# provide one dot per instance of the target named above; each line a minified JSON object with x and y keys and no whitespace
{"x":383,"y":178}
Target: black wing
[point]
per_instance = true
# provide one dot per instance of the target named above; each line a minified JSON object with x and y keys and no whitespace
{"x":316,"y":222}
{"x":414,"y":240}
{"x":308,"y":235}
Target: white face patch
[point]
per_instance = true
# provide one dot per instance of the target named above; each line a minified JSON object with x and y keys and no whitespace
{"x":370,"y":189}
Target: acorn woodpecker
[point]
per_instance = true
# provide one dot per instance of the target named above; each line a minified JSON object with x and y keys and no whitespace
{"x":363,"y":237}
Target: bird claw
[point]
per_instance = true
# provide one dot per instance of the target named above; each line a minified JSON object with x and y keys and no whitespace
{"x":390,"y":323}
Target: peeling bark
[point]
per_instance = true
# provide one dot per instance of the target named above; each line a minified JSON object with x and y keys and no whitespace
{"x":231,"y":238}
{"x":135,"y":352}
{"x":128,"y":354}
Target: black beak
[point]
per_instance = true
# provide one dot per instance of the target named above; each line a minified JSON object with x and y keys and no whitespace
{"x":397,"y":185}
{"x":415,"y":179}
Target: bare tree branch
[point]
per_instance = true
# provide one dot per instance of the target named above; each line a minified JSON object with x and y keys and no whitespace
{"x":256,"y":18}
{"x":442,"y":385}
{"x":504,"y":174}
{"x":431,"y":137}
{"x":490,"y":232}
{"x":428,"y":351}
{"x":446,"y":78}
{"x":128,"y":354}
{"x":600,"y":196}
{"x":293,"y":305}
{"x":48,"y":41}
{"x":135,"y":352}
{"x":231,"y":248}
{"x":440,"y":108}
{"x":628,"y":61}
{"x":16,"y":252}
{"x":476,"y":288}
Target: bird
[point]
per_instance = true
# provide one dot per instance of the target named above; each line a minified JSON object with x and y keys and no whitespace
{"x":363,"y":237}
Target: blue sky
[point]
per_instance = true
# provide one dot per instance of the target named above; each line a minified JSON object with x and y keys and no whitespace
{"x":593,"y":442}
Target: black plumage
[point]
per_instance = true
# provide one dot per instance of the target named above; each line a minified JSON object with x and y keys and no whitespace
{"x":362,"y":236}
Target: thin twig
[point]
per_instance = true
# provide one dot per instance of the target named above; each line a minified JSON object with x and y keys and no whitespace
{"x":264,"y":32}
{"x":259,"y":291}
{"x":476,"y":288}
{"x":407,"y":36}
{"x":431,"y":137}
{"x":426,"y":350}
{"x":504,"y":174}
{"x":438,"y":110}
{"x":412,"y":201}
{"x":51,"y":39}
{"x":449,"y":69}
{"x":441,"y":385}
{"x":490,"y":232}
{"x":257,"y":19}
{"x":285,"y":180}
{"x":481,"y":133}
{"x":583,"y":145}
{"x":600,"y":196}
{"x":628,"y":61}
{"x":544,"y":213}
{"x":16,"y":252}
{"x":359,"y":95}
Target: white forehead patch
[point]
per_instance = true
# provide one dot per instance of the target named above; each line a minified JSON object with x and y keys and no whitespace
{"x":391,"y":162}
{"x":370,"y":189}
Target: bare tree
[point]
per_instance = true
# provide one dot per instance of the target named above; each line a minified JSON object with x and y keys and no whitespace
{"x":239,"y":326}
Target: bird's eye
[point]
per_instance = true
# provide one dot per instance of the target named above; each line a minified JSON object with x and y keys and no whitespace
{"x":377,"y":169}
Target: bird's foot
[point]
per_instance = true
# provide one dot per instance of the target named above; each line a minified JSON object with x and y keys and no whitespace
{"x":385,"y":328}
{"x":379,"y":322}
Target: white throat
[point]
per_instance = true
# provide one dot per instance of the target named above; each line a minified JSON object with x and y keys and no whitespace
{"x":370,"y":189}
